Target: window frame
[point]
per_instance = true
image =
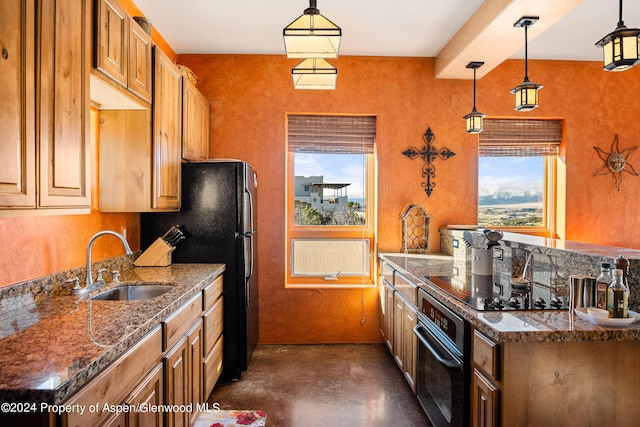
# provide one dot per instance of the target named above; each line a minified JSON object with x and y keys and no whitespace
{"x":367,"y":231}
{"x":553,"y":218}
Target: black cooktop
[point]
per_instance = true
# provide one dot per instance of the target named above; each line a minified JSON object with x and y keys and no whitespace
{"x":481,"y":293}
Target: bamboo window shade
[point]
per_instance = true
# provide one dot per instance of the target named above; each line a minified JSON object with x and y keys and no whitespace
{"x":331,"y":134}
{"x":517,"y":137}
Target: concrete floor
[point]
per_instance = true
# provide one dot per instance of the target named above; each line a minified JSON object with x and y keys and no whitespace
{"x":324,"y":385}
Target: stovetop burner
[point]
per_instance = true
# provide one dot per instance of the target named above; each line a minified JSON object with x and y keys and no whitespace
{"x":481,"y":293}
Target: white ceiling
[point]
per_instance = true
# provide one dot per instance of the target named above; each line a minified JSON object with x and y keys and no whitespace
{"x":417,"y":28}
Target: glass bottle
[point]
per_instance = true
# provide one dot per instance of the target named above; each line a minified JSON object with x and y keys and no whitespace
{"x":617,"y":296}
{"x":602,"y":284}
{"x":623,"y":264}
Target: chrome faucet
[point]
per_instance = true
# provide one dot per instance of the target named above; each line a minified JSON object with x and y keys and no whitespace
{"x":89,"y":284}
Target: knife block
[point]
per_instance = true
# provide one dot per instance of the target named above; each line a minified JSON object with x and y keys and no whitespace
{"x":156,"y":255}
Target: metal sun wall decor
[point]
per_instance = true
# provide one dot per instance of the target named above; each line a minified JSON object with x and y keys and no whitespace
{"x":615,"y":161}
{"x":428,"y":154}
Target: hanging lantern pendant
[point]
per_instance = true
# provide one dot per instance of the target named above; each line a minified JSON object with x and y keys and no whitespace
{"x":621,"y":48}
{"x":474,"y":118}
{"x":526,"y":92}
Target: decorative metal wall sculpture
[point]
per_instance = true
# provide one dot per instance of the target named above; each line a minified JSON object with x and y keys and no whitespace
{"x":615,"y":161}
{"x":415,"y":230}
{"x":428,"y":154}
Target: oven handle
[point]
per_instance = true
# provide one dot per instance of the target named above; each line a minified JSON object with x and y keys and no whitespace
{"x":453,"y":362}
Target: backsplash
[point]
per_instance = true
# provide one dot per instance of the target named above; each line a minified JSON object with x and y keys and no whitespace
{"x":12,"y":297}
{"x":552,"y":262}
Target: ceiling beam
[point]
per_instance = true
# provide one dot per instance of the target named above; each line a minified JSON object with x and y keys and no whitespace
{"x":489,"y":35}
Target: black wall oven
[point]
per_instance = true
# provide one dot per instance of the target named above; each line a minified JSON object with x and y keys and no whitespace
{"x":442,"y":382}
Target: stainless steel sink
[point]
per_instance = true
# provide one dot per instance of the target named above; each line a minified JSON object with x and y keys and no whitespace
{"x":133,"y":292}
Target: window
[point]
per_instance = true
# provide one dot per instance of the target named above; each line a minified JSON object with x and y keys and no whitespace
{"x":517,"y":166}
{"x":330,"y":200}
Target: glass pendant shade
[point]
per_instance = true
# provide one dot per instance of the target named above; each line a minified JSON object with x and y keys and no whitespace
{"x":620,"y":49}
{"x":312,"y":36}
{"x":314,"y":73}
{"x":526,"y":96}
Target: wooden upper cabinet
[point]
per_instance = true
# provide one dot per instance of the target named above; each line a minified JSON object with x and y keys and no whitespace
{"x":17,"y":109}
{"x":122,"y":49}
{"x":167,"y":132}
{"x":44,"y":78}
{"x":139,"y":76}
{"x":112,"y":40}
{"x":63,"y":79}
{"x":195,"y":122}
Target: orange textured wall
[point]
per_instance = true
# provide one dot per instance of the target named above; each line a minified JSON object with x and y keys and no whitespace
{"x":251,"y":94}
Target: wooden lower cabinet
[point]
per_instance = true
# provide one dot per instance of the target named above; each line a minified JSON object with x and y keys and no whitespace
{"x":485,"y":397}
{"x":409,"y":345}
{"x":386,"y":301}
{"x":114,"y":384}
{"x":176,"y":380}
{"x":183,"y":377}
{"x":212,"y":321}
{"x":194,"y":338}
{"x":148,"y":394}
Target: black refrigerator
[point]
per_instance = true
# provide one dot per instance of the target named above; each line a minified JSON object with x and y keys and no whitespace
{"x":218,"y":218}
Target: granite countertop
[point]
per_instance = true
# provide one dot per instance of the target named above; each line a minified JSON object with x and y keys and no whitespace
{"x":50,"y":347}
{"x":507,"y":326}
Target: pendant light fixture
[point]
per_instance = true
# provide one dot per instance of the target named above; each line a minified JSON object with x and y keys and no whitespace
{"x":526,"y":92}
{"x":314,"y":73}
{"x":620,"y":49}
{"x":474,"y":118}
{"x":312,"y":35}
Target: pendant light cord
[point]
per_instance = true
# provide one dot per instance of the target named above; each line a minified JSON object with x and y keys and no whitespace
{"x":526,"y":55}
{"x":474,"y":89}
{"x":620,"y":21}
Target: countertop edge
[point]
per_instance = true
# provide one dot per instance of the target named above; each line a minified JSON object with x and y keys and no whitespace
{"x":577,"y":330}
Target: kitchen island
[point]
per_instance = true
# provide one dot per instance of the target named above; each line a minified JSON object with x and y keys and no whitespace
{"x":54,"y":345}
{"x":541,"y":367}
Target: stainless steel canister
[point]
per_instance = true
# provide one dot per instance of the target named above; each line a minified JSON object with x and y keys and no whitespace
{"x":589,"y":290}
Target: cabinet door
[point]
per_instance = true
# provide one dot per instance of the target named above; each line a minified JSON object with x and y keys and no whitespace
{"x":484,"y":401}
{"x":409,"y":345}
{"x":148,"y":393}
{"x":17,"y":109}
{"x":195,"y":123}
{"x":112,"y":40}
{"x":194,"y":338}
{"x":388,"y":317}
{"x":167,"y":135}
{"x":63,"y":79}
{"x":176,"y":382}
{"x":398,"y":332}
{"x":139,"y":75}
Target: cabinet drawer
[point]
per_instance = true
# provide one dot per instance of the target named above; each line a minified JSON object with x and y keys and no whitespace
{"x":212,"y":367}
{"x":486,"y":355}
{"x":211,"y":293}
{"x":117,"y":381}
{"x":177,"y":324}
{"x":212,"y":325}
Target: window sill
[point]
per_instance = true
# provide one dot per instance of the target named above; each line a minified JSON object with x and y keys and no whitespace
{"x":329,"y":285}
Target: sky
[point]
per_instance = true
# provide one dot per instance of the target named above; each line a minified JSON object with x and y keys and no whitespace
{"x":336,"y":168}
{"x":510,"y":174}
{"x":496,"y":174}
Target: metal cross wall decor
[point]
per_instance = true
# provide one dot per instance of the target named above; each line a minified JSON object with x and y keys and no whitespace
{"x":428,"y":154}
